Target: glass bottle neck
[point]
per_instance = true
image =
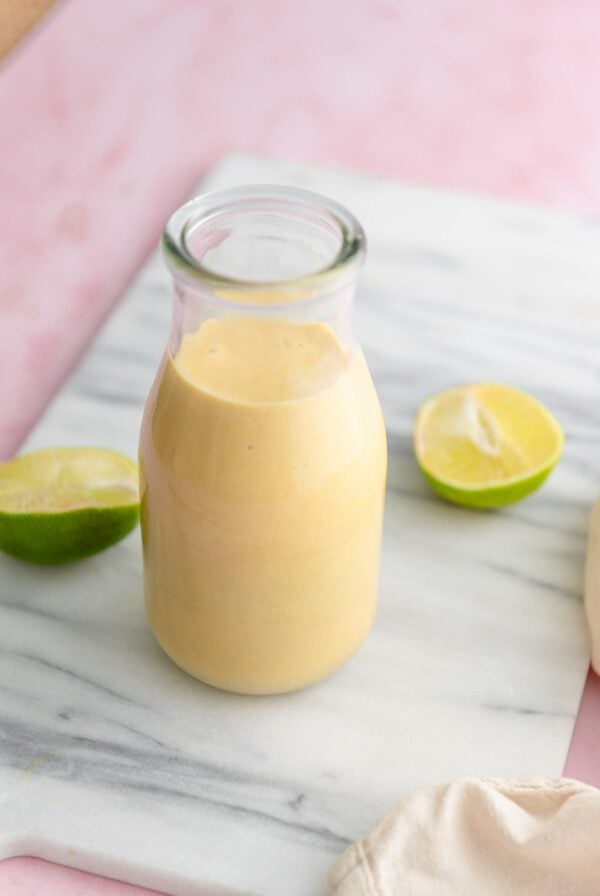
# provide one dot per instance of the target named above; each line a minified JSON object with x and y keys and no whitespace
{"x":192,"y":306}
{"x":263,"y":252}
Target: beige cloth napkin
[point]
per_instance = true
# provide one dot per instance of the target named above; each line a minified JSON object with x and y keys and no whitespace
{"x":481,"y":838}
{"x":592,"y":585}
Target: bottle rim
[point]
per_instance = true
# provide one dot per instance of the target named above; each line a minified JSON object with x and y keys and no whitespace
{"x":207,"y":206}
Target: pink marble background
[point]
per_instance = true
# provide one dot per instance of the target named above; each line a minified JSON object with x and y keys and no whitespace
{"x":110,"y":111}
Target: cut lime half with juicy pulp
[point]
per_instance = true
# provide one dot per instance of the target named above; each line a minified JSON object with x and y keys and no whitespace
{"x":486,"y":444}
{"x":61,"y":504}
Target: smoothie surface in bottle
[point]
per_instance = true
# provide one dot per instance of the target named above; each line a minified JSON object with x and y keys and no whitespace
{"x":263,"y":461}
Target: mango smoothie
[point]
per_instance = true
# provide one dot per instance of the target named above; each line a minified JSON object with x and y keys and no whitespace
{"x":263,"y":461}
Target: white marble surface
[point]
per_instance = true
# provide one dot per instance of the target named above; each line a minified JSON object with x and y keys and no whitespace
{"x":113,"y":760}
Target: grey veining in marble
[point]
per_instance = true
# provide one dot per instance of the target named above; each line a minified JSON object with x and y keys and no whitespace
{"x":111,"y":759}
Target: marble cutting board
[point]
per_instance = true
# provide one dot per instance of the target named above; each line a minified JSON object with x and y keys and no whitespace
{"x":114,"y":761}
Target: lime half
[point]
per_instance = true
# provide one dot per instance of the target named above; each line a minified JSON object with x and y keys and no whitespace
{"x":62,"y":504}
{"x":486,"y":444}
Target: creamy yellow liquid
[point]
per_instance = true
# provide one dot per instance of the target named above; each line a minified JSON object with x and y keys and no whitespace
{"x":263,"y":463}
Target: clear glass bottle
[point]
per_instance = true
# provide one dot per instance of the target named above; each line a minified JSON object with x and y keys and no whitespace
{"x":262,"y":451}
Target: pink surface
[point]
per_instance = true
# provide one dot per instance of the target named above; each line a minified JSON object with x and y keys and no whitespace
{"x":32,"y":877}
{"x":583,"y":758}
{"x":112,"y":110}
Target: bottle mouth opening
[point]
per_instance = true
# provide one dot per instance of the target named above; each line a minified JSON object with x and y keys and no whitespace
{"x":263,"y":243}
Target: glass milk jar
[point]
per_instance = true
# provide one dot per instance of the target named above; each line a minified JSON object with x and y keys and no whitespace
{"x":262,"y":452}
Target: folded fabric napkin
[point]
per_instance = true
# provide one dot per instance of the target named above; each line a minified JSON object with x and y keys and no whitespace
{"x":481,"y":837}
{"x":592,"y":585}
